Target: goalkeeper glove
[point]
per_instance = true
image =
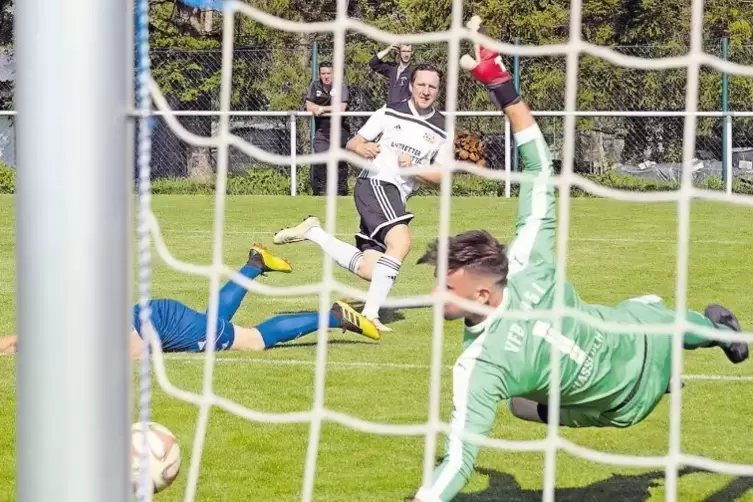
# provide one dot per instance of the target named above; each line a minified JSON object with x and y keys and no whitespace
{"x":488,"y":69}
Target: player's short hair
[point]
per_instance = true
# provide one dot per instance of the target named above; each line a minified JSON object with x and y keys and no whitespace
{"x":325,"y":64}
{"x":476,"y":250}
{"x":425,"y":67}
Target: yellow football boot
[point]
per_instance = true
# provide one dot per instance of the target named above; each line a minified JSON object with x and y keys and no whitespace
{"x":353,"y":321}
{"x":260,"y":257}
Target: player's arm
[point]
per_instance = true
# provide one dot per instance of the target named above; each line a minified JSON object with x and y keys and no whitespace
{"x":478,"y":387}
{"x":377,"y":63}
{"x":319,"y":109}
{"x":442,"y":159}
{"x":364,"y":142}
{"x":535,"y":225}
{"x":311,"y":106}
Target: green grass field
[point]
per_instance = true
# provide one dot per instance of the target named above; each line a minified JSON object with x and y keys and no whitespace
{"x":617,"y":250}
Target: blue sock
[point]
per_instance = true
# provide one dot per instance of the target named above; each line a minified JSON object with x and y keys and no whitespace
{"x":286,"y":327}
{"x":232,"y":294}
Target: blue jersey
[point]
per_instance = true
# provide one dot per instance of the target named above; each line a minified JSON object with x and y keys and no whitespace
{"x":182,"y":329}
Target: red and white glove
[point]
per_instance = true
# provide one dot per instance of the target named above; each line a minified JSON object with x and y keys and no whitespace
{"x":487,"y":68}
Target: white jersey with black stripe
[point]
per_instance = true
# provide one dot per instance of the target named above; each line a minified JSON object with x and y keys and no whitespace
{"x":400,"y":129}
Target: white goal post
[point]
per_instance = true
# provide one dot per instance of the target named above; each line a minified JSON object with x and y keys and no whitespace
{"x":73,"y":250}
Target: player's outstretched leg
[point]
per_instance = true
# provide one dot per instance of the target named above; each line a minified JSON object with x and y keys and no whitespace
{"x":379,"y":268}
{"x":287,"y":327}
{"x":346,"y":255}
{"x":719,"y":317}
{"x":260,"y":260}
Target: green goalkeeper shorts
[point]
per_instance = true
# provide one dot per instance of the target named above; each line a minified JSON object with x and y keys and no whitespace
{"x":652,"y":383}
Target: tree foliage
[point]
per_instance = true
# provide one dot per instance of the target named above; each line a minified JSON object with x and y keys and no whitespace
{"x":276,"y":65}
{"x":272,"y":68}
{"x":6,"y":23}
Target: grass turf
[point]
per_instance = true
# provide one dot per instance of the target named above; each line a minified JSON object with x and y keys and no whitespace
{"x":616,"y":250}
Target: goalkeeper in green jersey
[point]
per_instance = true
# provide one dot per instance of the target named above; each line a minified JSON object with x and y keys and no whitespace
{"x":607,"y":379}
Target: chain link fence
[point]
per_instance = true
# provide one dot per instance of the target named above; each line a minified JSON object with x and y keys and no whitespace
{"x":276,"y":79}
{"x":263,"y":79}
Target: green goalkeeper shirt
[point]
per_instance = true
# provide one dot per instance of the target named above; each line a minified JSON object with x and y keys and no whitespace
{"x":505,"y":358}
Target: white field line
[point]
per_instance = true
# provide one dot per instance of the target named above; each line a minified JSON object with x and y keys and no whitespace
{"x":198,"y":359}
{"x":625,"y":240}
{"x":185,"y":358}
{"x":615,"y":240}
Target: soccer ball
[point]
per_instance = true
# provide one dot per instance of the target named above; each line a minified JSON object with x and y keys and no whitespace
{"x":164,"y":455}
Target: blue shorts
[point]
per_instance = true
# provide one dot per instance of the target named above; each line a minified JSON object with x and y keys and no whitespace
{"x":182,"y":329}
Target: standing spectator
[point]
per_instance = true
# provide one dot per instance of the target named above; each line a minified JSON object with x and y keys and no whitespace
{"x":319,"y":102}
{"x":398,"y":72}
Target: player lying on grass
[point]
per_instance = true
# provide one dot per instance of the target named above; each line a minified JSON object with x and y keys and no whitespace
{"x":607,"y":379}
{"x":395,"y":137}
{"x":182,"y":329}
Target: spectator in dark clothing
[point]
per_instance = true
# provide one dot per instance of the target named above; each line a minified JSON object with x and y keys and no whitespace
{"x":319,"y":102}
{"x":398,"y":72}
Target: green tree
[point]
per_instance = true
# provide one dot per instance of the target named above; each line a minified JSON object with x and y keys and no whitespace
{"x":6,"y":23}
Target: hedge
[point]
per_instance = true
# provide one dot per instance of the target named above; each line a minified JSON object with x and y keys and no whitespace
{"x":269,"y":181}
{"x":7,"y":179}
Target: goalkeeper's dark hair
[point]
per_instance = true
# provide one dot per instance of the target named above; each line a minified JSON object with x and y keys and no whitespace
{"x":325,"y":64}
{"x":476,"y":250}
{"x":425,"y":67}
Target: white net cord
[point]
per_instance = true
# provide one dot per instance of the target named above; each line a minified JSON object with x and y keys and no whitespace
{"x":328,"y":286}
{"x":216,"y":269}
{"x":309,"y":476}
{"x":683,"y":246}
{"x":143,"y":162}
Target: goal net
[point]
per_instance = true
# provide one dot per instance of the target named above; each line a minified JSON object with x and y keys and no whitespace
{"x":434,"y":427}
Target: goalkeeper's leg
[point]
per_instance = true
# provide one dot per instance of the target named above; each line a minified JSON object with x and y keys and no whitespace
{"x":531,"y":411}
{"x":651,"y":309}
{"x":716,"y":316}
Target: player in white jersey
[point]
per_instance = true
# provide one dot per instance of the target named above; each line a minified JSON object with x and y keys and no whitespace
{"x":396,"y":136}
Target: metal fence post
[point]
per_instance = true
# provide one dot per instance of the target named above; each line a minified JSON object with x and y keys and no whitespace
{"x":508,"y":160}
{"x":314,"y":76}
{"x":726,"y":125}
{"x":293,"y":151}
{"x":728,"y":146}
{"x":516,"y":81}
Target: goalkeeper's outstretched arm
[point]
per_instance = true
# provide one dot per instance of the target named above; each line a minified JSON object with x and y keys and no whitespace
{"x":535,"y":225}
{"x":478,"y":388}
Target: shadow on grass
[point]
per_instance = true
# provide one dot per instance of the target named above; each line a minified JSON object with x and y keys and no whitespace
{"x":293,"y":345}
{"x":619,"y":487}
{"x":386,"y":315}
